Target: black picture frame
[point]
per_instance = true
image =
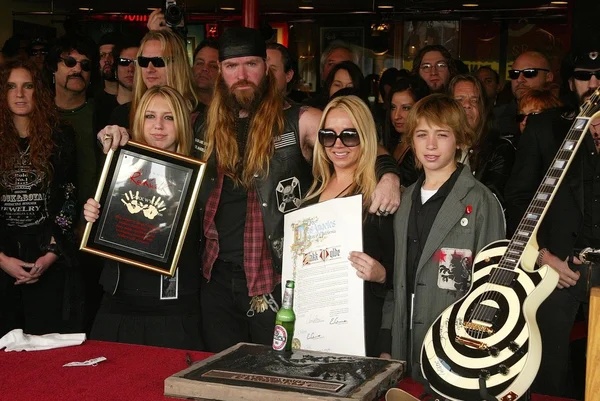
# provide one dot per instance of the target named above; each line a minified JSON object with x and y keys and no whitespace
{"x":147,"y":197}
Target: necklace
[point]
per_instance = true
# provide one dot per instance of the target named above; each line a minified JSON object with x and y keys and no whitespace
{"x":344,"y":190}
{"x":23,"y":153}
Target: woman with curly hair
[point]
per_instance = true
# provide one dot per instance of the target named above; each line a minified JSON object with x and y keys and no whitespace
{"x":37,"y":206}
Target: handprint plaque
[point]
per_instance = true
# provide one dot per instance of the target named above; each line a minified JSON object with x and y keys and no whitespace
{"x":147,"y":198}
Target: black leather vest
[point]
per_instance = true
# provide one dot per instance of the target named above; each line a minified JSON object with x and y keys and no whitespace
{"x":281,"y":191}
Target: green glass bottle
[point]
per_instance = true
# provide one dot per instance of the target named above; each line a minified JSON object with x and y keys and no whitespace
{"x":285,"y":321}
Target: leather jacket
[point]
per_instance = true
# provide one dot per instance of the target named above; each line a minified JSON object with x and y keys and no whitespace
{"x":281,"y":191}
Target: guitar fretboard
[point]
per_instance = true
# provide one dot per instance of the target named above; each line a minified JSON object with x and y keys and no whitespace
{"x":545,"y":193}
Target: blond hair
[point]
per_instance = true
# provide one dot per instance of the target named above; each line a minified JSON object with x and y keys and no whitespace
{"x":179,"y":72}
{"x":181,"y":117}
{"x":365,"y":179}
{"x":265,"y":124}
{"x":443,"y":111}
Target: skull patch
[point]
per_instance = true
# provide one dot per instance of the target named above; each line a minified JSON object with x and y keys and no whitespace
{"x":288,"y":195}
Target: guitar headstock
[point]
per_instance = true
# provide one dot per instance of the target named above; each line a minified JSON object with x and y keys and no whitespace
{"x":591,"y":107}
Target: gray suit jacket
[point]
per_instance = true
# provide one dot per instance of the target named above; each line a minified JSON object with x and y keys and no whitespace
{"x":454,"y":232}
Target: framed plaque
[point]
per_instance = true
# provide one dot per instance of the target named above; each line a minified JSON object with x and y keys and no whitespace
{"x":147,"y":197}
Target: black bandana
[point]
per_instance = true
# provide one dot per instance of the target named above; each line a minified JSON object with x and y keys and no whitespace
{"x":241,"y":42}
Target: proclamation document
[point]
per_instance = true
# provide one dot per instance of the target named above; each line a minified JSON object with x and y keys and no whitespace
{"x":328,"y":295}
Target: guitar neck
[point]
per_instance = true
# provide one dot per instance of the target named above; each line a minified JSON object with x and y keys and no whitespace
{"x":527,"y":228}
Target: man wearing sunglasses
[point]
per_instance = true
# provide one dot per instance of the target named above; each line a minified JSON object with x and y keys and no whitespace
{"x":571,"y":222}
{"x":105,"y":99}
{"x":123,"y":53}
{"x":71,"y":61}
{"x":530,"y":70}
{"x":38,"y":50}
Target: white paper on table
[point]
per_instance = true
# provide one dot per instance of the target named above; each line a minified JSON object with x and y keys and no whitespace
{"x":328,"y":295}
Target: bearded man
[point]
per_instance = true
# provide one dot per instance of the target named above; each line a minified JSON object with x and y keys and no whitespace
{"x":257,"y":148}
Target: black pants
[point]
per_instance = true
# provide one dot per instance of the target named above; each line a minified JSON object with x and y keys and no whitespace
{"x":36,"y":308}
{"x":555,"y":319}
{"x":225,"y":304}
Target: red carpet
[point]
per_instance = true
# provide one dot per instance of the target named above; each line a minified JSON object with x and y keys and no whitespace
{"x":131,"y":372}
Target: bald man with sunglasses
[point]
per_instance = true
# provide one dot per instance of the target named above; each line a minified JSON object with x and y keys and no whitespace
{"x":530,"y":70}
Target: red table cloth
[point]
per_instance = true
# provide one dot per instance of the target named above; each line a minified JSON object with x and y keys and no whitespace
{"x":131,"y":372}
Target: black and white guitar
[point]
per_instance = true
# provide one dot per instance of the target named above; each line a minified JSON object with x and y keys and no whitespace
{"x":489,"y":339}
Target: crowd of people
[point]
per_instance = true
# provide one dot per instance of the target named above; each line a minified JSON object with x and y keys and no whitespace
{"x":442,"y":164}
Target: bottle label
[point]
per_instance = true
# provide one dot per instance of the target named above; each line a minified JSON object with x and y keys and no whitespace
{"x":288,"y":298}
{"x":279,"y":338}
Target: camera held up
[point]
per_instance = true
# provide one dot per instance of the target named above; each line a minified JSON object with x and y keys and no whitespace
{"x":173,"y":14}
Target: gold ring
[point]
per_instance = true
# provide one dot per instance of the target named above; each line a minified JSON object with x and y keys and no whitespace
{"x":106,"y":136}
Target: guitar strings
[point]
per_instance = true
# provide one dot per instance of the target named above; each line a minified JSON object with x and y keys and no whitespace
{"x":503,"y":269}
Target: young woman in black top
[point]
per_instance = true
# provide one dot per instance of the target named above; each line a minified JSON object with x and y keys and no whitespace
{"x":37,"y":208}
{"x":141,"y":306}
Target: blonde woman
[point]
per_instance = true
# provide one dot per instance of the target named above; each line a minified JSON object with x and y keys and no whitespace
{"x":134,"y":308}
{"x":344,"y":165}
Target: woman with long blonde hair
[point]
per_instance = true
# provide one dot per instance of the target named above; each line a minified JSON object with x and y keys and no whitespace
{"x":140,"y":306}
{"x":344,"y":165}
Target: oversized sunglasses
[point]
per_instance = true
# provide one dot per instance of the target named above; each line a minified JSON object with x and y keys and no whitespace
{"x":527,"y":72}
{"x":157,"y":62}
{"x":124,"y":62}
{"x":86,"y":65}
{"x":348,"y":136}
{"x":586,"y":75}
{"x":521,"y":117}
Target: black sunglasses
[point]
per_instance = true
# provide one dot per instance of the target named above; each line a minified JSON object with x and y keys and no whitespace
{"x":86,"y":65}
{"x":348,"y":136}
{"x":521,"y":117}
{"x":586,"y":75}
{"x":527,"y":72}
{"x":157,"y":62}
{"x":38,"y":52}
{"x":124,"y":62}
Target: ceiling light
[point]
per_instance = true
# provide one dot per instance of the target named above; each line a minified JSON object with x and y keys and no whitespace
{"x":559,"y":3}
{"x":388,"y":7}
{"x":306,"y":7}
{"x":228,"y":8}
{"x":85,"y":9}
{"x":470,"y":5}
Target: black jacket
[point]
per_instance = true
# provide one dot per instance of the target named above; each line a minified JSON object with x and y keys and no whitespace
{"x":537,"y":147}
{"x":289,"y":178}
{"x":494,"y":163}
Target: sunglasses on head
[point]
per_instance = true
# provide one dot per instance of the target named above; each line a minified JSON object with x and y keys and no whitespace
{"x":86,"y":65}
{"x":124,"y":62}
{"x":586,"y":75}
{"x":348,"y":136}
{"x":157,"y":62}
{"x":527,"y":72}
{"x":521,"y":117}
